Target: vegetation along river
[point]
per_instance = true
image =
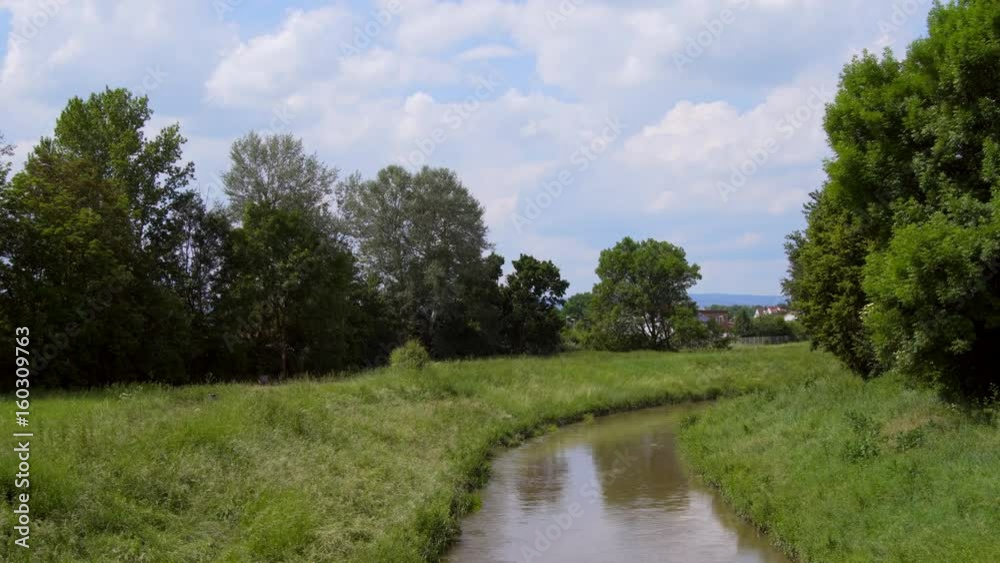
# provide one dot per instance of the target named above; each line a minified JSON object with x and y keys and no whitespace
{"x":612,"y":489}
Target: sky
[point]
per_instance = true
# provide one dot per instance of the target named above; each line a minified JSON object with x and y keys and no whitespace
{"x":574,"y":122}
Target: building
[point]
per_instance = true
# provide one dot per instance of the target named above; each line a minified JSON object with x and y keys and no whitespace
{"x":768,"y":311}
{"x":720,"y":317}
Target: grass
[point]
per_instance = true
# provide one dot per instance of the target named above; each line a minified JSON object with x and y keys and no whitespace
{"x":375,"y":468}
{"x":837,"y":469}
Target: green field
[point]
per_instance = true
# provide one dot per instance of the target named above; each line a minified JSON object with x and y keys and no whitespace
{"x":379,"y":467}
{"x":843,"y":470}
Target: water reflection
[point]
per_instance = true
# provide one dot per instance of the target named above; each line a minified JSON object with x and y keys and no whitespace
{"x":610,"y":490}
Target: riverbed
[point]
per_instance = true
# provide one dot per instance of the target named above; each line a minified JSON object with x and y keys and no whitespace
{"x":608,"y":490}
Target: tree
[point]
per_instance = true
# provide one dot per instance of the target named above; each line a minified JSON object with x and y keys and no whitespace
{"x":532,"y":297}
{"x":297,"y":302}
{"x":643,"y":291}
{"x":274,"y":171}
{"x":422,"y":236}
{"x":691,"y":333}
{"x":293,"y":294}
{"x":743,"y":322}
{"x":771,"y":325}
{"x":6,"y":153}
{"x":824,"y":283}
{"x":578,"y":314}
{"x":577,"y":310}
{"x":88,"y":256}
{"x":896,"y":269}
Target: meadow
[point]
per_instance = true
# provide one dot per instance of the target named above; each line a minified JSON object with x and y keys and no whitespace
{"x":838,"y":469}
{"x":381,"y":466}
{"x":377,"y":467}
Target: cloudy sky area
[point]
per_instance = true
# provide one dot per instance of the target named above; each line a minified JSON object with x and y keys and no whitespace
{"x":575,"y":123}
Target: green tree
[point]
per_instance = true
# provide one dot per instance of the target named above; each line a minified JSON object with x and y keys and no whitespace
{"x":743,"y":322}
{"x":296,"y":301}
{"x":294,"y":294}
{"x":6,"y":153}
{"x":896,"y":269}
{"x":771,"y":325}
{"x":577,"y":310}
{"x":422,"y":236}
{"x":90,"y":240}
{"x":274,"y":171}
{"x":532,"y":297}
{"x":824,"y":282}
{"x":642,"y":293}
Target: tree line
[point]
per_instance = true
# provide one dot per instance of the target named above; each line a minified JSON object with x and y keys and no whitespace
{"x":124,"y":274}
{"x":898,"y":267}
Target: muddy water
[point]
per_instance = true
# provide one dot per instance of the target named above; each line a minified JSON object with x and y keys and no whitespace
{"x":609,"y":490}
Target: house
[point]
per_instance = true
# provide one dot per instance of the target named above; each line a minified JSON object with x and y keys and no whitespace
{"x":768,"y":311}
{"x":721,"y":317}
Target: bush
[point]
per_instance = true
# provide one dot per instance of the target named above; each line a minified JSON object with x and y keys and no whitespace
{"x":411,"y":355}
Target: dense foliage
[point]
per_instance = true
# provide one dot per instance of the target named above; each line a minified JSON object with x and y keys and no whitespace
{"x":123,"y":274}
{"x":641,"y":301}
{"x":532,"y":296}
{"x":422,"y":239}
{"x":411,"y":355}
{"x":92,"y":252}
{"x":897,"y":268}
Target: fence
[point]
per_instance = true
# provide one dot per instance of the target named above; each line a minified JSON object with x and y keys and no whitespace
{"x":764,"y":340}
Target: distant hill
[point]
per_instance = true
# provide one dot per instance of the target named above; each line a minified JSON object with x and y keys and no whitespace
{"x":727,"y":299}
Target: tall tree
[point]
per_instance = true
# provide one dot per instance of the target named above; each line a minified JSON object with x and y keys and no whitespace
{"x":532,"y":297}
{"x":826,"y":264}
{"x":275,"y":171}
{"x":296,"y":301}
{"x":743,"y":322}
{"x":643,"y":291}
{"x":293,"y":293}
{"x":897,"y":269}
{"x":90,"y":246}
{"x":577,"y":310}
{"x":422,"y":236}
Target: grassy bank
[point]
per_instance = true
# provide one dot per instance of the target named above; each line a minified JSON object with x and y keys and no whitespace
{"x":841,"y":470}
{"x":374,"y":468}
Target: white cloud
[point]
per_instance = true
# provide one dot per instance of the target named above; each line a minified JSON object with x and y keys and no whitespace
{"x":487,"y":52}
{"x":276,"y":63}
{"x":363,"y":108}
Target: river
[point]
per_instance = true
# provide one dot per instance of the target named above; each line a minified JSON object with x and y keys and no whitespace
{"x":609,"y":490}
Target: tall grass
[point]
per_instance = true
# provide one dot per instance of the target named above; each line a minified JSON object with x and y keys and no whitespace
{"x":841,"y":470}
{"x":376,"y":468}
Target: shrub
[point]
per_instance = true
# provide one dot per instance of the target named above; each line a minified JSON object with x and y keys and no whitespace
{"x":866,"y":442}
{"x":410,"y":355}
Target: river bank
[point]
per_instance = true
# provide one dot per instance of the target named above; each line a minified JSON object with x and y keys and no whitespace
{"x":837,"y":469}
{"x":375,"y":468}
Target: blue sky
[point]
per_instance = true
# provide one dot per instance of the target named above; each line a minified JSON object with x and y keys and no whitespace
{"x":575,"y":122}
